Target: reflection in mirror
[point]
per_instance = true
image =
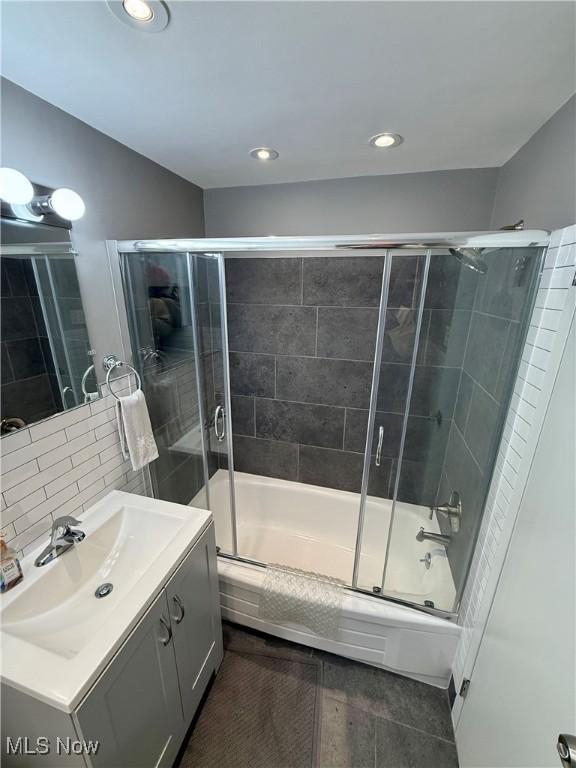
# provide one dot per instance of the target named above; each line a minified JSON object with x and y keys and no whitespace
{"x":47,"y":360}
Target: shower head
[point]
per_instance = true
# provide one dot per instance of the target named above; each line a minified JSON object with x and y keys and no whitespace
{"x":470,"y":257}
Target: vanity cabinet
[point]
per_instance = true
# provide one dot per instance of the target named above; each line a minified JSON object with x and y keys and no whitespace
{"x":143,"y":703}
{"x":134,"y":710}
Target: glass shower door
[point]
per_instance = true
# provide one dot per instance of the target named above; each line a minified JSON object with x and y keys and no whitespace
{"x":159,"y":297}
{"x":450,"y":392}
{"x":210,"y":299}
{"x":396,"y":352}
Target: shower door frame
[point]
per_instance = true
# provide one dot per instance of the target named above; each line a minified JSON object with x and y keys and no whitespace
{"x":261,"y":247}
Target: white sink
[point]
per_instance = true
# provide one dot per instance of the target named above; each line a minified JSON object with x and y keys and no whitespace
{"x":56,"y":634}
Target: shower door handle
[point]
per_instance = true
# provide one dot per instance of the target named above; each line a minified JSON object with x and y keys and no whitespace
{"x":379,"y":448}
{"x":220,"y":413}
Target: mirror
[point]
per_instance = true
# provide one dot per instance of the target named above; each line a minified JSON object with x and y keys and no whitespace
{"x":47,"y":361}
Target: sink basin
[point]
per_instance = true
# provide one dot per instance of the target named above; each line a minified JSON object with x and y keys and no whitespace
{"x":54,"y":626}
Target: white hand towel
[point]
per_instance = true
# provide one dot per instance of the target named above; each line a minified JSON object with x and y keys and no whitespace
{"x":136,"y":436}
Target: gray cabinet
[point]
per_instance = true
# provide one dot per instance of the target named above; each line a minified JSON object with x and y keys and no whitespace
{"x":195,"y":619}
{"x":134,"y":710}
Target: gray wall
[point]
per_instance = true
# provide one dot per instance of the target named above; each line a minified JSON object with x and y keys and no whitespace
{"x":538,"y":184}
{"x":126,"y":195}
{"x":413,"y":202}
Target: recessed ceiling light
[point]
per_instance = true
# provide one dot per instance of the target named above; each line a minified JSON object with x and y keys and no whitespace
{"x":138,"y":10}
{"x":264,"y":154}
{"x":386,"y":140}
{"x":144,"y":15}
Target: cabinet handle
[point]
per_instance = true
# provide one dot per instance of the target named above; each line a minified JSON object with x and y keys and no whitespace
{"x":178,"y":602}
{"x":165,"y":640}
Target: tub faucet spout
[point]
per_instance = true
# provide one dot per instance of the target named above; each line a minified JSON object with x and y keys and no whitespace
{"x":439,"y":538}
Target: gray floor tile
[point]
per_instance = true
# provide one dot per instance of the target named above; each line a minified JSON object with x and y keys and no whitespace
{"x":398,"y":746}
{"x":347,"y":736}
{"x":385,"y":694}
{"x":244,"y":641}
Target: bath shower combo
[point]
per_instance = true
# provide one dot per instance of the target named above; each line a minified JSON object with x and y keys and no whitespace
{"x":337,"y":403}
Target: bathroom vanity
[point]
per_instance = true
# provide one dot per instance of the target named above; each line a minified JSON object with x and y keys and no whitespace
{"x":126,"y":670}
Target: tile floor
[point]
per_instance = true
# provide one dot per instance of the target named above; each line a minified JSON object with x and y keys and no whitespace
{"x":366,"y":718}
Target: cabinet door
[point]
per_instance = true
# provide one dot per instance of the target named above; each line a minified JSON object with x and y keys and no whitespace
{"x":134,"y":710}
{"x":195,"y":614}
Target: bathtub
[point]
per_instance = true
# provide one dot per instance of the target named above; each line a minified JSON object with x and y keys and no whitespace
{"x":314,"y":529}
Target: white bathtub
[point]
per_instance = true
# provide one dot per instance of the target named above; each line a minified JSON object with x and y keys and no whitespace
{"x":314,"y":529}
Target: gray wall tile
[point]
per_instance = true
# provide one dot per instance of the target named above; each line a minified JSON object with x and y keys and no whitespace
{"x":462,"y":474}
{"x":272,"y":329}
{"x":450,"y":284}
{"x":347,"y":333}
{"x":485,"y":350}
{"x":393,"y":387}
{"x":482,"y":431}
{"x":264,"y":281}
{"x":332,"y":469}
{"x":343,"y":281}
{"x":404,"y":289}
{"x":399,"y":335}
{"x":505,"y":287}
{"x":357,"y":424}
{"x":329,"y":382}
{"x":463,"y":401}
{"x":319,"y":425}
{"x":243,"y":420}
{"x":252,"y":374}
{"x":270,"y":458}
{"x":447,"y":333}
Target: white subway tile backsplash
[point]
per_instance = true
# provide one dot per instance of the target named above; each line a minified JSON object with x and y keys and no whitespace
{"x":15,"y":441}
{"x":106,"y":429}
{"x":38,"y":480}
{"x":32,"y":451}
{"x":57,"y":423}
{"x":72,"y":476}
{"x":90,"y":423}
{"x":32,"y":533}
{"x":8,"y":531}
{"x":23,"y":506}
{"x":17,"y":476}
{"x":61,"y":466}
{"x":68,"y":449}
{"x":50,"y":505}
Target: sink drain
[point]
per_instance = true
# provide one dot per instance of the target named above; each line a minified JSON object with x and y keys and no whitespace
{"x":104,"y":589}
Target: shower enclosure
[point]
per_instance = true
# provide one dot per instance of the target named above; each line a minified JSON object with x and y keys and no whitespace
{"x":336,"y":402}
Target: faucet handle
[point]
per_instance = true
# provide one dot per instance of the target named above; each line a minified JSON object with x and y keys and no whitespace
{"x":65,"y":520}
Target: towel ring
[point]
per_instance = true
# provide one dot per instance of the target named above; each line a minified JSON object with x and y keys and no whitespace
{"x":111,"y":363}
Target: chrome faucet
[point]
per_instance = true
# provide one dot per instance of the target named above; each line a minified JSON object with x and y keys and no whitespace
{"x":439,"y":538}
{"x":62,"y":538}
{"x":451,"y":509}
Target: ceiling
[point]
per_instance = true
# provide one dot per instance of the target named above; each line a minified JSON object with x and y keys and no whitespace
{"x":465,"y":83}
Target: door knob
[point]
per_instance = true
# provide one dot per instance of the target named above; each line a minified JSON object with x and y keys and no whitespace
{"x":566,"y":747}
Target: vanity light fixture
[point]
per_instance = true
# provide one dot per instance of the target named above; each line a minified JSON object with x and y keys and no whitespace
{"x":63,"y":201}
{"x":264,"y":154}
{"x":386,"y":140}
{"x":15,"y":188}
{"x":144,"y":15}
